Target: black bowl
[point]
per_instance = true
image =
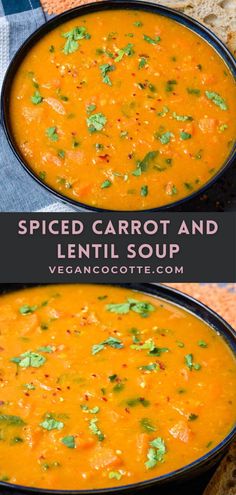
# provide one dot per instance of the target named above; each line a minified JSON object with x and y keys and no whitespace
{"x":190,"y":23}
{"x":188,"y":477}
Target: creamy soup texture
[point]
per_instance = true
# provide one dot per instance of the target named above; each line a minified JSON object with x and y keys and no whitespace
{"x":104,"y":386}
{"x":123,"y":110}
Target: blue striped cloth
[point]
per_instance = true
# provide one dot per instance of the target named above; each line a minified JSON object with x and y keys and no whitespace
{"x":18,"y":192}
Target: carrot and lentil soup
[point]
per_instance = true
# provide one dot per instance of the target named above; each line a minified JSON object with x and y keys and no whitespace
{"x":124,"y":110}
{"x":103,"y":386}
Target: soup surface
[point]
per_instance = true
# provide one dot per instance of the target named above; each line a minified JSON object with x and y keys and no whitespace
{"x":124,"y":110}
{"x":104,"y":386}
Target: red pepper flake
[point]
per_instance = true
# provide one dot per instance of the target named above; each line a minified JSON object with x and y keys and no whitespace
{"x":46,"y":376}
{"x":133,"y":74}
{"x":124,"y":365}
{"x":105,"y":399}
{"x":103,"y":157}
{"x":127,"y":410}
{"x":161,"y":365}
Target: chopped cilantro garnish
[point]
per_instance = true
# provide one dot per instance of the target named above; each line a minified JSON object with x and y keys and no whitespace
{"x":145,"y":162}
{"x":140,"y":307}
{"x":190,"y":363}
{"x":144,"y":191}
{"x":29,"y":386}
{"x":42,"y":175}
{"x":61,"y":153}
{"x":115,"y":475}
{"x":155,"y":453}
{"x":105,"y":184}
{"x":185,"y":135}
{"x":142,"y":63}
{"x":136,"y":401}
{"x":72,"y":37}
{"x":181,"y":118}
{"x":96,"y":122}
{"x":165,"y":137}
{"x":147,"y":425}
{"x":163,"y":112}
{"x":105,"y":69}
{"x":138,"y":24}
{"x":50,"y":423}
{"x":217,"y":99}
{"x":127,"y":50}
{"x":29,"y":359}
{"x":111,"y":342}
{"x":51,"y":133}
{"x":36,"y":98}
{"x":95,"y":430}
{"x":149,"y":367}
{"x":94,"y":410}
{"x":170,"y":85}
{"x":202,"y":343}
{"x":69,"y":441}
{"x":27,"y":310}
{"x":194,"y":91}
{"x":152,"y":41}
{"x":10,"y":420}
{"x":192,"y":417}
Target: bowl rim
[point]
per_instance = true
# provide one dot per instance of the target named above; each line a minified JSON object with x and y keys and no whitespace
{"x":219,"y":325}
{"x":144,"y":5}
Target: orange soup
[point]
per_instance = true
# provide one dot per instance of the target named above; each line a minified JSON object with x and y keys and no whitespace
{"x":104,"y":386}
{"x":124,"y":110}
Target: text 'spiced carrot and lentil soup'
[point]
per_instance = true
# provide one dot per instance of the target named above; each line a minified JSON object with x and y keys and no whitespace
{"x":124,"y":110}
{"x":104,"y":386}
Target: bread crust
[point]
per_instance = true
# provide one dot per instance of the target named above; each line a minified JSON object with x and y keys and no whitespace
{"x":224,"y":480}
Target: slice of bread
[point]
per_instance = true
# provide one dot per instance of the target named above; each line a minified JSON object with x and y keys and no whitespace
{"x":218,"y":15}
{"x":224,"y":479}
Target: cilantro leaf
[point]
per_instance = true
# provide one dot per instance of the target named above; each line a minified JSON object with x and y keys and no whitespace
{"x":96,"y":122}
{"x":27,"y":310}
{"x":115,"y":475}
{"x":50,"y":423}
{"x":111,"y":342}
{"x":29,"y":359}
{"x":140,"y":307}
{"x":94,"y":410}
{"x":95,"y":430}
{"x":105,"y":69}
{"x":106,"y":183}
{"x":127,"y":50}
{"x":145,"y":162}
{"x":10,"y":420}
{"x":51,"y":133}
{"x":181,"y":118}
{"x":69,"y":441}
{"x":77,"y":33}
{"x":188,"y":358}
{"x":36,"y":98}
{"x":217,"y":99}
{"x":155,"y":453}
{"x":185,"y":135}
{"x":152,"y":41}
{"x":147,"y":425}
{"x":165,"y":137}
{"x":144,"y":191}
